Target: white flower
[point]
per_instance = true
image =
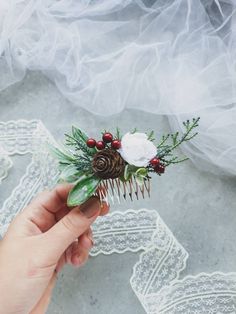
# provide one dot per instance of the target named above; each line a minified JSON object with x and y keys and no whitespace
{"x":136,"y":149}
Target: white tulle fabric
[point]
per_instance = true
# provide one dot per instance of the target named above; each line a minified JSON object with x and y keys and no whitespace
{"x":156,"y":276}
{"x":173,"y":57}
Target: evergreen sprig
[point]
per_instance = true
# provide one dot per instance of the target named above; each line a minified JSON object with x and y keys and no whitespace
{"x":82,"y":154}
{"x":163,"y":140}
{"x":165,"y":149}
{"x":150,"y":136}
{"x":118,"y":133}
{"x":78,"y":145}
{"x":83,"y":166}
{"x":134,"y":131}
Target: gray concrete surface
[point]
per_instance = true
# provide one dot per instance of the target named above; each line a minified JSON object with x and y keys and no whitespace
{"x":199,"y":208}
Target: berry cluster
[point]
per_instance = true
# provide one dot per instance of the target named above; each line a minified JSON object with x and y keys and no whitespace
{"x":107,"y":138}
{"x":157,"y":165}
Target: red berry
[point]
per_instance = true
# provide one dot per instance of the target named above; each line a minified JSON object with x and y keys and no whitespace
{"x":107,"y":137}
{"x":154,"y":161}
{"x":160,"y":169}
{"x":91,"y":143}
{"x":116,"y":144}
{"x":100,"y":145}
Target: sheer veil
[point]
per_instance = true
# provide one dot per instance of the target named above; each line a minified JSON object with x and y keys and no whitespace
{"x":169,"y":57}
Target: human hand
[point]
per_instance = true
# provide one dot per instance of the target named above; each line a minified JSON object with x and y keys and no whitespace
{"x":40,"y":240}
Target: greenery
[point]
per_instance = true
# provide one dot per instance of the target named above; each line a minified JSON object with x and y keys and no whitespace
{"x":151,"y":136}
{"x":118,"y":134}
{"x":170,"y":142}
{"x":75,"y":165}
{"x":83,"y":190}
{"x":75,"y":160}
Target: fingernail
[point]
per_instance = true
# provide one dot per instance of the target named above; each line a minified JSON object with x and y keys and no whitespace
{"x":91,"y":207}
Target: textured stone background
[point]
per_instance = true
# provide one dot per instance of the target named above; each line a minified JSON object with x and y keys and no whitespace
{"x":199,"y":208}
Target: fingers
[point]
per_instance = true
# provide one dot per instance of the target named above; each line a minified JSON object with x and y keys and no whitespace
{"x":70,"y":227}
{"x":49,"y":207}
{"x":40,"y":214}
{"x":104,"y":209}
{"x":52,"y":201}
{"x":80,"y":253}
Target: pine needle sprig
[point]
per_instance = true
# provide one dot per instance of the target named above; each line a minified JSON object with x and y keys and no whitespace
{"x":82,"y":154}
{"x":189,"y":126}
{"x":165,"y":150}
{"x":83,"y":163}
{"x":163,"y":141}
{"x":118,"y":133}
{"x":134,"y":131}
{"x":174,"y":160}
{"x":84,"y":158}
{"x":83,"y":166}
{"x":78,"y":145}
{"x":84,"y":148}
{"x":150,"y":136}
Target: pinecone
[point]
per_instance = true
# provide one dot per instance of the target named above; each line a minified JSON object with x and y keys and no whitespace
{"x":108,"y":164}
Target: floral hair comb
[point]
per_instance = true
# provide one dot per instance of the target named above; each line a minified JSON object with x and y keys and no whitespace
{"x":116,"y":166}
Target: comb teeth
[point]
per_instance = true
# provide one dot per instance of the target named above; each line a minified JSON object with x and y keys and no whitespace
{"x":112,"y":190}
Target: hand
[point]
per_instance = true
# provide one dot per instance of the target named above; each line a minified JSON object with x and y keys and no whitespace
{"x":39,"y":241}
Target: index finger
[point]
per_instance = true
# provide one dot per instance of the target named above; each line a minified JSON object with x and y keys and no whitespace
{"x":53,"y":200}
{"x":44,"y":208}
{"x":50,"y":206}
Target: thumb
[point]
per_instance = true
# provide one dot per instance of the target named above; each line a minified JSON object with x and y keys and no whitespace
{"x":70,"y":227}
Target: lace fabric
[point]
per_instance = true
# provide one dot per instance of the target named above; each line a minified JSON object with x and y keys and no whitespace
{"x":22,"y":137}
{"x":156,"y":275}
{"x":5,"y":164}
{"x":124,"y":231}
{"x":204,"y":293}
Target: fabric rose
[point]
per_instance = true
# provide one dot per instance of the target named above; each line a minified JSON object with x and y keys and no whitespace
{"x":136,"y":149}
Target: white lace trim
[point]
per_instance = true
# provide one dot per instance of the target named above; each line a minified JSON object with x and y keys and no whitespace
{"x":120,"y":232}
{"x":155,"y":279}
{"x":5,"y":164}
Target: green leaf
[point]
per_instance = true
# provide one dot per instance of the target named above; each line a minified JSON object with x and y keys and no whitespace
{"x":81,"y":141}
{"x":79,"y":135}
{"x":139,"y":180}
{"x":141,"y":172}
{"x":83,"y":190}
{"x":133,"y":170}
{"x":70,"y":174}
{"x":122,"y":179}
{"x":127,"y":173}
{"x":62,"y":156}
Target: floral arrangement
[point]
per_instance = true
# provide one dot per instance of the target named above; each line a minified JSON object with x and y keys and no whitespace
{"x":116,"y":165}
